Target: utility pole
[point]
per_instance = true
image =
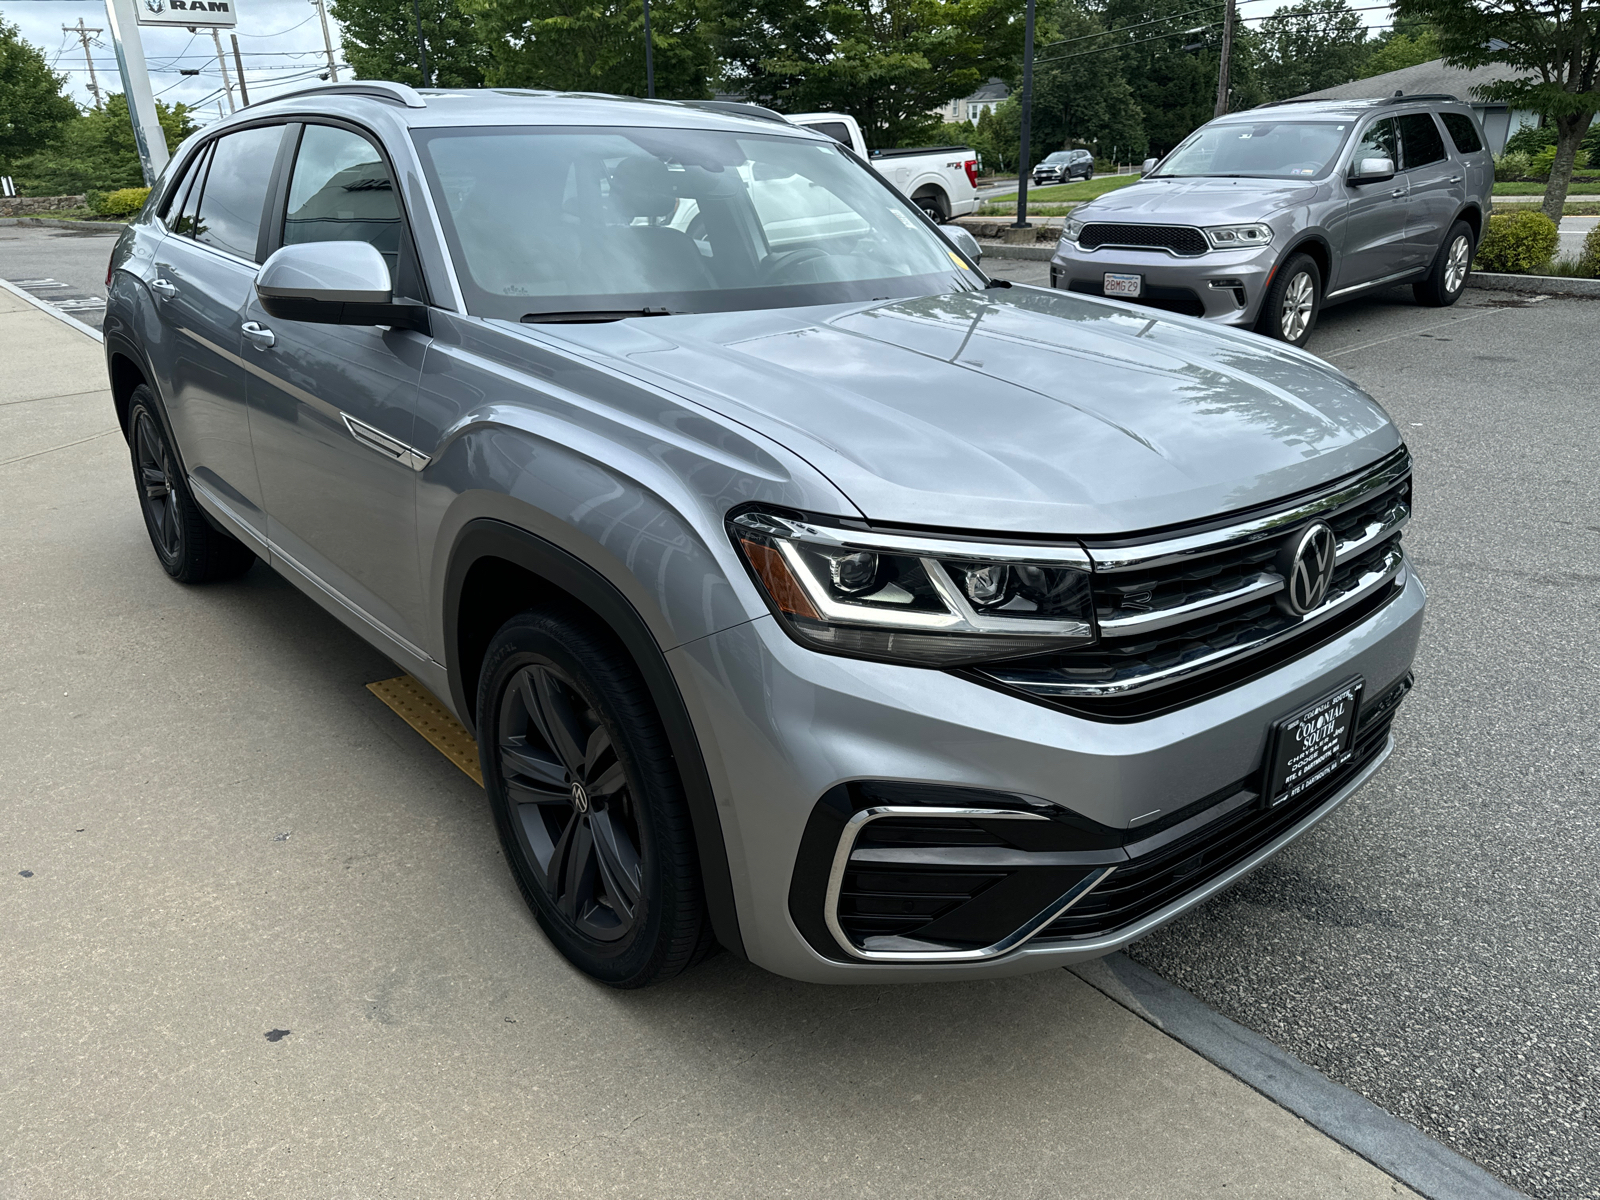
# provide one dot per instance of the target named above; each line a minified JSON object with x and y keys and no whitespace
{"x":649,"y":60}
{"x":1222,"y":65}
{"x":83,"y":36}
{"x":327,"y":42}
{"x":147,"y":133}
{"x":422,"y":47}
{"x":238,"y":63}
{"x":1027,"y":123}
{"x":222,"y":65}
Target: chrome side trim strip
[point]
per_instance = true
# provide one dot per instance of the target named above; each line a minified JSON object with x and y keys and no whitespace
{"x":1372,"y":283}
{"x":927,"y":952}
{"x":224,"y":512}
{"x":1157,"y":554}
{"x":377,"y":439}
{"x":1391,"y":566}
{"x":1264,"y":583}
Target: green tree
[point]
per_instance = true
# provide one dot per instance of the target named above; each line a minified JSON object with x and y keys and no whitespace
{"x":1309,"y":46}
{"x":33,"y":111}
{"x":380,"y":41}
{"x":888,"y":63}
{"x":598,"y":45}
{"x":1555,"y":45}
{"x":96,"y":151}
{"x":1080,"y":95}
{"x":1396,"y":50}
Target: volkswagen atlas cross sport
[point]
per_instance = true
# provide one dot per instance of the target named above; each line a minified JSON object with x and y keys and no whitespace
{"x":806,"y":590}
{"x":1262,"y":218}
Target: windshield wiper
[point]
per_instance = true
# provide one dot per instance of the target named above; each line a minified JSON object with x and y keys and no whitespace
{"x":591,"y":316}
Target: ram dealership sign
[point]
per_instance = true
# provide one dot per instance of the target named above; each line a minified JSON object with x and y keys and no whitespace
{"x":193,"y":13}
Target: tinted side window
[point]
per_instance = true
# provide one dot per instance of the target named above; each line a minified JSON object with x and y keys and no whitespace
{"x":1422,"y":140}
{"x":1381,"y":140}
{"x":341,"y":191}
{"x":837,"y":130}
{"x":185,"y":198}
{"x":1462,"y":132}
{"x":236,"y":190}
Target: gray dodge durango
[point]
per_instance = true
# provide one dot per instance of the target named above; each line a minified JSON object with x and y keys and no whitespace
{"x":808,"y":592}
{"x":1261,"y":218}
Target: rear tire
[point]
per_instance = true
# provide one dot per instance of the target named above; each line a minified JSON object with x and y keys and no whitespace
{"x":587,"y":801}
{"x":934,"y":207}
{"x":189,"y":547}
{"x":1452,"y":267}
{"x":1289,"y":312}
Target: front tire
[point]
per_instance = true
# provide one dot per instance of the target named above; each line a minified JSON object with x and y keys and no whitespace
{"x":1293,"y":302}
{"x":587,"y":801}
{"x":189,"y":548}
{"x":1451,"y":268}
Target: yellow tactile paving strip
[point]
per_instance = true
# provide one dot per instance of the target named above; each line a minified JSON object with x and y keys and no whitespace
{"x":420,"y":709}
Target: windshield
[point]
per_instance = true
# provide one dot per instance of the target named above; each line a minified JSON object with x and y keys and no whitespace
{"x":553,"y":220}
{"x":1060,"y":156}
{"x":1264,"y":150}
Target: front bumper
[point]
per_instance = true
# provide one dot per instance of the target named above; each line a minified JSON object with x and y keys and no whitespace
{"x":1201,"y":286}
{"x":783,"y":726}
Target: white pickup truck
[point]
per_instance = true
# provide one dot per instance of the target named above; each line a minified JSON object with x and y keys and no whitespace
{"x":940,"y":180}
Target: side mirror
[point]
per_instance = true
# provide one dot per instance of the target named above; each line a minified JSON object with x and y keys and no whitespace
{"x":963,"y":241}
{"x":334,"y":283}
{"x":1373,"y":170}
{"x":1149,"y":165}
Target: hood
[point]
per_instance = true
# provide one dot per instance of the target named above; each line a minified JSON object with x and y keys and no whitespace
{"x":1014,"y":410}
{"x":1197,"y":201}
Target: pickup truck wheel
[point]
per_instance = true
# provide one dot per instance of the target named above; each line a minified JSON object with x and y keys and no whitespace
{"x":587,"y":801}
{"x":188,"y":547}
{"x":1451,"y":267}
{"x":1289,"y":312}
{"x":934,"y":206}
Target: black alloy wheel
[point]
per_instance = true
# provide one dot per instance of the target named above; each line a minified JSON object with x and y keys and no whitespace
{"x":189,"y":547}
{"x":587,"y":801}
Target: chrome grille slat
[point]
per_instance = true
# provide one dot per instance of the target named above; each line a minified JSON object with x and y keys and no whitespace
{"x":1263,"y":584}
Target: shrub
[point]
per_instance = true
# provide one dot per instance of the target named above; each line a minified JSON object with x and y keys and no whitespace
{"x":1511,"y":165}
{"x":1542,"y":163}
{"x":123,"y":202}
{"x":1589,"y":259}
{"x":1518,"y":243}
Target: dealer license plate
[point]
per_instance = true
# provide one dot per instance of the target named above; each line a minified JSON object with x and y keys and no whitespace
{"x":1123,"y":285}
{"x":1309,"y":746}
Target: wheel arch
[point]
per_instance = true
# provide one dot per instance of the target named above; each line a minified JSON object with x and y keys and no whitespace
{"x":126,"y":370}
{"x":936,"y":193}
{"x":497,"y":570}
{"x":1315,"y":247}
{"x":1473,"y":216}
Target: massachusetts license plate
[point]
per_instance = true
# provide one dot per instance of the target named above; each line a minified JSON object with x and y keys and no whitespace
{"x":1123,"y":285}
{"x":1304,"y":749}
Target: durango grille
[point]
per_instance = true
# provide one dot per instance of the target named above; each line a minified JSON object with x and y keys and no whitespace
{"x":1187,"y":616}
{"x":1183,"y":240}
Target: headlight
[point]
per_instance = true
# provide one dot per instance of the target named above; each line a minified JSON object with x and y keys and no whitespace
{"x":924,"y":601}
{"x":1070,"y":229}
{"x":1231,"y":237}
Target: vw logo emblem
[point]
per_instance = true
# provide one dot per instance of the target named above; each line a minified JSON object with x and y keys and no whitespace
{"x":1309,"y":569}
{"x":580,"y":798}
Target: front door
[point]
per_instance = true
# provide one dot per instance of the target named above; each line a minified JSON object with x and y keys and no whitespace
{"x":332,"y":406}
{"x":1437,"y":191}
{"x":1374,"y":243}
{"x":203,"y":276}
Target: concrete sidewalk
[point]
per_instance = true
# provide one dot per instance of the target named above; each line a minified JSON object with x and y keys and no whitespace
{"x":258,"y":940}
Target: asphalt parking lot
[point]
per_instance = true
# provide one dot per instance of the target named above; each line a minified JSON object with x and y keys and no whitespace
{"x":65,"y":267}
{"x":226,"y":836}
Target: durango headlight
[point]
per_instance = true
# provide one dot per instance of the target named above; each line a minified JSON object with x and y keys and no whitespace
{"x":1070,"y":229}
{"x":1232,"y":237}
{"x":924,"y":601}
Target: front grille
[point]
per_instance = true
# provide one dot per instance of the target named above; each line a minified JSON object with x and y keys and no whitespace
{"x":1183,"y":240}
{"x":1180,"y":615}
{"x":1150,"y":882}
{"x":1168,"y":299}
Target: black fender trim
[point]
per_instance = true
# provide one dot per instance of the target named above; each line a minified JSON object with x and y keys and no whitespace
{"x":488,"y":538}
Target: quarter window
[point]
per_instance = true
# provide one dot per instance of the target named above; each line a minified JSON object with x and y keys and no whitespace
{"x":342,"y":191}
{"x":236,"y":190}
{"x":1422,"y":140}
{"x":1381,"y":140}
{"x":186,"y":196}
{"x":1462,"y":132}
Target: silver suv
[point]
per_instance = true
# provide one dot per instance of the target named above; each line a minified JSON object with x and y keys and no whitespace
{"x":1261,"y":218}
{"x":806,"y":590}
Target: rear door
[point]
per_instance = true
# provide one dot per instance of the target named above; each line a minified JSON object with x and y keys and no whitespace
{"x":1374,"y":243}
{"x":332,"y":406}
{"x":204,"y":275}
{"x":1438,"y":185}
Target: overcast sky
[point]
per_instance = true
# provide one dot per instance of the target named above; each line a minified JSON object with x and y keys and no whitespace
{"x":280,"y":40}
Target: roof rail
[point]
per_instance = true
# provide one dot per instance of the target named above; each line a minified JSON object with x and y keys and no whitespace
{"x":737,"y":108}
{"x":1309,"y":100}
{"x":380,"y":89}
{"x":1437,"y":97}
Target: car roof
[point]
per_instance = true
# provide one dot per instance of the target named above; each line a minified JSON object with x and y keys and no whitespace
{"x":1344,"y":108}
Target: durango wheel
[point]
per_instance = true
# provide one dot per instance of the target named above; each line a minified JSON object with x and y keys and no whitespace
{"x":1289,"y":312}
{"x":1451,"y":266}
{"x":189,"y":547}
{"x":587,"y":801}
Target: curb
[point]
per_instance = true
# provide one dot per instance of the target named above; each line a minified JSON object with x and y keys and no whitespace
{"x":53,"y":311}
{"x":65,"y":223}
{"x":1005,"y":250}
{"x":1426,"y":1166}
{"x":1549,"y":285}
